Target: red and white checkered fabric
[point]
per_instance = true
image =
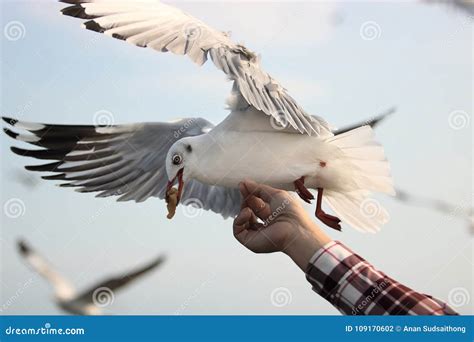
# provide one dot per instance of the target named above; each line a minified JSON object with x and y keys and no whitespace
{"x":355,"y":287}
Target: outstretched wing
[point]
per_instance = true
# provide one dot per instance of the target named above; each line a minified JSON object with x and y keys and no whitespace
{"x":62,"y":288}
{"x":119,"y":160}
{"x":149,"y":23}
{"x":120,"y":281}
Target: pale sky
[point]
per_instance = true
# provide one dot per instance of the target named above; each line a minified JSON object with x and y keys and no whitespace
{"x":419,"y":60}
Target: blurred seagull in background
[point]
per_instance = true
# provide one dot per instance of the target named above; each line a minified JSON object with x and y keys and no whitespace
{"x":464,"y":210}
{"x":90,"y":301}
{"x":267,"y":137}
{"x":467,"y":6}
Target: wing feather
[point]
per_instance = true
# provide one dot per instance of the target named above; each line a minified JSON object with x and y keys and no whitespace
{"x":62,"y":287}
{"x":149,"y":23}
{"x":122,"y":160}
{"x":121,"y":280}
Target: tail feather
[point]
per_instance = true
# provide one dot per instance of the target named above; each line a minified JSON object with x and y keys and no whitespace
{"x":381,"y":184}
{"x":357,"y":210}
{"x":371,"y":167}
{"x":365,"y":169}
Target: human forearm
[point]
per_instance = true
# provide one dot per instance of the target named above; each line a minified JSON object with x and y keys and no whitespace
{"x":305,"y":242}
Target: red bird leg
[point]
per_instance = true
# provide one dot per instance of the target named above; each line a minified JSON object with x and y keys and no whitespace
{"x":329,"y":220}
{"x":302,"y":191}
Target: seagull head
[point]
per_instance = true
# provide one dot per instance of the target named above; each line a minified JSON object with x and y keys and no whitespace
{"x":178,"y":160}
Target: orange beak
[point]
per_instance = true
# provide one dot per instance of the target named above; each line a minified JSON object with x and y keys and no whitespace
{"x":178,"y":176}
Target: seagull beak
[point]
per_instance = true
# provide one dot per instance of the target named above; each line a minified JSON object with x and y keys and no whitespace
{"x":178,"y":176}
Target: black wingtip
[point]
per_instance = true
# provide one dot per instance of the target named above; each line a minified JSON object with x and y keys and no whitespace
{"x":9,"y":121}
{"x":93,"y":26}
{"x":10,"y":133}
{"x":372,"y":122}
{"x":76,"y":11}
{"x":59,"y":176}
{"x":51,"y":167}
{"x":118,"y":36}
{"x":23,"y":247}
{"x":383,"y":116}
{"x":67,"y":185}
{"x":19,"y":151}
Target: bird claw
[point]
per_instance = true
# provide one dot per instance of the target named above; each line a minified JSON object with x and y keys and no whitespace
{"x":307,"y":196}
{"x":302,"y":190}
{"x":329,"y":220}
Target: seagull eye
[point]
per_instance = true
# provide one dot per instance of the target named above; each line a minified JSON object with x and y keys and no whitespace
{"x":177,"y":159}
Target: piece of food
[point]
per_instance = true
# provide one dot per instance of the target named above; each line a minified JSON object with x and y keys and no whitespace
{"x":171,"y":202}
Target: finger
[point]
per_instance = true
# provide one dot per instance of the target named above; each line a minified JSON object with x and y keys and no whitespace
{"x":242,"y":222}
{"x":254,"y":222}
{"x":243,"y":189}
{"x":259,"y":207}
{"x":263,"y":191}
{"x":244,"y":192}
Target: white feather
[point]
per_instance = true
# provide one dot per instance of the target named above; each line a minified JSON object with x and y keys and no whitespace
{"x":364,"y":168}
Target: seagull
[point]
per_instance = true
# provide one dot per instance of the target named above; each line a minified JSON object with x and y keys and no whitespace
{"x":267,"y":136}
{"x":462,"y":210}
{"x":463,"y":5}
{"x":92,"y":300}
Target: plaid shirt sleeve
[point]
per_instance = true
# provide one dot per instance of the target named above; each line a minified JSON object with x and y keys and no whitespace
{"x":355,"y":287}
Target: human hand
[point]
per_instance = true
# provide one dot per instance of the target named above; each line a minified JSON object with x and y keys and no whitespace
{"x":283,"y":226}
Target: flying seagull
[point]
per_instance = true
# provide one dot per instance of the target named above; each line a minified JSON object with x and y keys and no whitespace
{"x":463,"y":210}
{"x":267,"y":136}
{"x":463,"y":5}
{"x":90,"y":301}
